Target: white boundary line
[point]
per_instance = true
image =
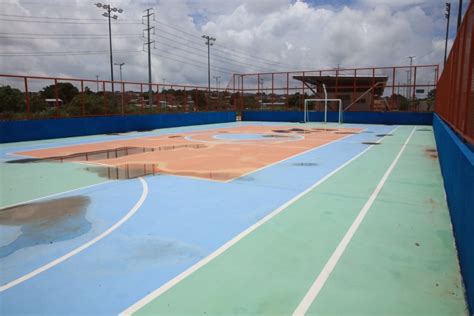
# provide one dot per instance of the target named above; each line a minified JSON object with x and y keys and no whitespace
{"x":82,"y":247}
{"x":55,"y":194}
{"x":168,"y":285}
{"x":296,"y":155}
{"x":318,"y":284}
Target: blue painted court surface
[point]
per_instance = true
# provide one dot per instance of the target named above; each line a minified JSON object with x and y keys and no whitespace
{"x":123,"y":240}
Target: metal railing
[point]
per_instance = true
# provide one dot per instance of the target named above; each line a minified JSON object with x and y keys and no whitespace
{"x":455,"y":94}
{"x":33,"y":97}
{"x":403,"y":88}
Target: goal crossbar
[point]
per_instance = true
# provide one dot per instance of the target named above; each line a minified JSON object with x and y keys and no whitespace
{"x":306,"y":111}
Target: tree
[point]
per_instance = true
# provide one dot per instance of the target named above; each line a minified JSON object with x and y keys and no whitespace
{"x":11,"y":99}
{"x":66,"y":92}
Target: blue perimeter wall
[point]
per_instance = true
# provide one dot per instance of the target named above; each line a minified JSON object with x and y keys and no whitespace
{"x":388,"y":118}
{"x":457,"y":165}
{"x":16,"y":131}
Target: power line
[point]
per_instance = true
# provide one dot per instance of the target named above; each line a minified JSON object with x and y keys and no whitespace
{"x":198,"y":65}
{"x":218,"y":58}
{"x":195,"y":61}
{"x":66,"y":37}
{"x":198,"y":46}
{"x":58,"y":18}
{"x":231,"y":50}
{"x":67,"y":34}
{"x":64,"y":22}
{"x":67,"y":53}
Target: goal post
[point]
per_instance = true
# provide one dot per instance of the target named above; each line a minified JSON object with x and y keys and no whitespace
{"x":306,"y":109}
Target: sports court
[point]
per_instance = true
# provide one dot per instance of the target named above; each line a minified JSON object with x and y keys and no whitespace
{"x":232,"y":218}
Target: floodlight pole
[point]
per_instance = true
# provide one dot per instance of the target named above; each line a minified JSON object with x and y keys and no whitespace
{"x":209,"y":42}
{"x":121,"y":82}
{"x":108,"y":14}
{"x":110,"y":49}
{"x":411,"y":75}
{"x":447,"y":15}
{"x":459,"y":14}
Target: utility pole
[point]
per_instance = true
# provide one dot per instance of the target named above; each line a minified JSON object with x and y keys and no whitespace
{"x":209,"y":42}
{"x":261,"y":82}
{"x":217,"y":82}
{"x":411,"y":75}
{"x":108,"y":14}
{"x":459,"y":14}
{"x":97,"y":77}
{"x":149,"y":42}
{"x":447,"y":15}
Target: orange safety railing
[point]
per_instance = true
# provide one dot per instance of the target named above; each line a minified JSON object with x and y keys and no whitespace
{"x":455,"y":94}
{"x":393,"y":88}
{"x":34,"y":97}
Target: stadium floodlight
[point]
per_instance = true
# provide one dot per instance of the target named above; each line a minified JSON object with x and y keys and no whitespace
{"x":209,"y":42}
{"x":108,"y":14}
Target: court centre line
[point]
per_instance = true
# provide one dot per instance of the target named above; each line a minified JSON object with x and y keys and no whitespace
{"x":318,"y":284}
{"x":91,"y":242}
{"x":183,"y":275}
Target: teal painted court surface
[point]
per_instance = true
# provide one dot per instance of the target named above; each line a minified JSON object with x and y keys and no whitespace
{"x":358,"y":226}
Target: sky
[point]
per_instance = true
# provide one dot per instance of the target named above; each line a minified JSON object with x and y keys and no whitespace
{"x":69,"y":38}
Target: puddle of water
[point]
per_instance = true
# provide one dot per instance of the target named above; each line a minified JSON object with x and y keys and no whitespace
{"x":276,"y":136}
{"x":371,"y":143}
{"x":106,"y":154}
{"x":46,"y":222}
{"x":432,"y":153}
{"x":124,"y":172}
{"x":306,"y":164}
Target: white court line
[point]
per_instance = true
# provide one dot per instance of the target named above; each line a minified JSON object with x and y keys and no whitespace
{"x":318,"y":284}
{"x":296,"y":155}
{"x":168,"y":285}
{"x":53,"y":195}
{"x":84,"y":246}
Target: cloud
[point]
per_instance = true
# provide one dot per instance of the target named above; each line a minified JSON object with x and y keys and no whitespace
{"x":264,"y":35}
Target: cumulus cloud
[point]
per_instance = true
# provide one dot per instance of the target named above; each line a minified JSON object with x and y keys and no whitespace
{"x":264,"y":35}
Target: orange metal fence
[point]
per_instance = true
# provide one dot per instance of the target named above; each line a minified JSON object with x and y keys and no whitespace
{"x":455,"y":94}
{"x":396,"y":88}
{"x":33,"y":97}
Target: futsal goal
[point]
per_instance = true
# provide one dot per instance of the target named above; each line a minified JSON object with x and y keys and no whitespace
{"x":325,"y":100}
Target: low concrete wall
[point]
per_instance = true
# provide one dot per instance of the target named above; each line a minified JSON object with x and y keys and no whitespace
{"x":457,"y":165}
{"x":388,"y":118}
{"x":15,"y":131}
